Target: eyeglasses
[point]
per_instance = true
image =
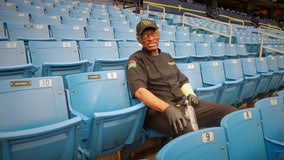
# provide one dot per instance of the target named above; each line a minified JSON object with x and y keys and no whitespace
{"x":153,"y":34}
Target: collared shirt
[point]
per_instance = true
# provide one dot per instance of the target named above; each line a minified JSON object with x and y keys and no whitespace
{"x":159,"y":74}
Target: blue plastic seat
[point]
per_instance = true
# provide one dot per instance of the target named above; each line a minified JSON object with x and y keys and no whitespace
{"x":11,"y":16}
{"x":166,"y":35}
{"x":36,"y":125}
{"x":233,"y":71}
{"x":75,"y":21}
{"x":45,"y":19}
{"x":125,"y":34}
{"x":218,"y":51}
{"x":202,"y":144}
{"x":14,"y":62}
{"x":30,"y":9}
{"x":27,"y":31}
{"x":277,"y":73}
{"x":231,"y":51}
{"x":68,"y":32}
{"x":57,"y":11}
{"x":182,"y":36}
{"x":110,"y":122}
{"x":185,"y":50}
{"x":266,"y":75}
{"x":104,"y":55}
{"x":213,"y":73}
{"x":272,"y":115}
{"x":251,"y":79}
{"x":56,"y":58}
{"x":244,"y":135}
{"x":242,"y":51}
{"x":192,"y":71}
{"x":126,"y":48}
{"x":100,"y":33}
{"x":203,"y":52}
{"x":196,"y":37}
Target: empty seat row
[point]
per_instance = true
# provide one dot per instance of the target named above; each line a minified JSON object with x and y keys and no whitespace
{"x":244,"y":134}
{"x":84,"y":125}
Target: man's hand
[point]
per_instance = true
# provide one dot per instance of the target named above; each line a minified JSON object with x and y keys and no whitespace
{"x":175,"y":118}
{"x":192,"y":99}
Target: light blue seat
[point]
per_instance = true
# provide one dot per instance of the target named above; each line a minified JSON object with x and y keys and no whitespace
{"x":167,"y":35}
{"x":242,"y":51}
{"x":244,"y":135}
{"x":203,"y":144}
{"x":203,"y":52}
{"x":251,"y":79}
{"x":196,"y":37}
{"x":75,"y":21}
{"x":213,"y":73}
{"x":36,"y":125}
{"x":126,"y":48}
{"x":183,"y":36}
{"x":30,"y":9}
{"x":99,"y":22}
{"x":45,"y":19}
{"x":102,"y":101}
{"x":79,"y":13}
{"x":266,"y":75}
{"x":125,"y":34}
{"x":57,"y":11}
{"x":211,"y":38}
{"x":218,"y":51}
{"x":277,"y":73}
{"x":14,"y":17}
{"x":272,"y":115}
{"x":68,"y":32}
{"x":100,"y":33}
{"x":56,"y":58}
{"x":14,"y":62}
{"x":184,"y":51}
{"x":280,"y":93}
{"x":192,"y":71}
{"x":233,"y":71}
{"x":104,"y":55}
{"x":27,"y":31}
{"x":231,"y":51}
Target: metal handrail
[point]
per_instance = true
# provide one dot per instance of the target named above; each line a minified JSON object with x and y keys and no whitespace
{"x":237,"y":20}
{"x":206,"y":29}
{"x":269,"y":48}
{"x":156,"y":14}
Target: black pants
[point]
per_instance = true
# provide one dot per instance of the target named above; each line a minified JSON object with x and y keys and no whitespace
{"x":208,"y":114}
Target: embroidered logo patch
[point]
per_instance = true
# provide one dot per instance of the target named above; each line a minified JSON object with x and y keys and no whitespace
{"x":171,"y":63}
{"x":131,"y":64}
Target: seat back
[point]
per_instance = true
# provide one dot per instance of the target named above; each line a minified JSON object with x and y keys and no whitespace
{"x":244,"y":135}
{"x":14,"y":62}
{"x":67,"y":32}
{"x":214,"y":68}
{"x":62,"y":55}
{"x":45,"y":19}
{"x":203,"y":51}
{"x":266,"y":75}
{"x":125,"y":49}
{"x":124,"y":33}
{"x":194,"y":145}
{"x":272,"y":115}
{"x":14,"y":17}
{"x":218,"y":50}
{"x":231,"y":50}
{"x":92,"y":94}
{"x":36,"y":125}
{"x":100,"y":32}
{"x":233,"y":69}
{"x":21,"y":31}
{"x":167,"y":47}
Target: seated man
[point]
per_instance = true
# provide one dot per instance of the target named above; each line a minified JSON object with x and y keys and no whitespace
{"x":156,"y":81}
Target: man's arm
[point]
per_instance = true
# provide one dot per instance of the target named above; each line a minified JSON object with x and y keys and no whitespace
{"x":149,"y":99}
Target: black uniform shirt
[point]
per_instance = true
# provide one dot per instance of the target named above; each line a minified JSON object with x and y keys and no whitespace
{"x":159,"y":74}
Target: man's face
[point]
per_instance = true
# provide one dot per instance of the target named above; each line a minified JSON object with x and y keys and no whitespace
{"x":150,"y":39}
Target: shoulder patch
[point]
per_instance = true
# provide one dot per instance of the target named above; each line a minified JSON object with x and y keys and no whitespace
{"x":171,"y":63}
{"x":131,"y":64}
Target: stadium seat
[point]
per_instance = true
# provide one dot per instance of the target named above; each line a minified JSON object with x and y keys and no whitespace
{"x":266,"y":75}
{"x":244,"y":135}
{"x":272,"y":115}
{"x":185,"y":50}
{"x":12,"y":17}
{"x":104,"y":55}
{"x":57,"y":11}
{"x":56,"y":58}
{"x":36,"y":125}
{"x":28,"y":31}
{"x":231,"y":51}
{"x":14,"y":62}
{"x":251,"y":79}
{"x":126,"y":48}
{"x":203,"y":52}
{"x":100,"y":33}
{"x":192,"y":71}
{"x":218,"y":51}
{"x":213,"y":74}
{"x":203,"y":144}
{"x":233,"y":71}
{"x":277,"y":73}
{"x":125,"y":34}
{"x":30,"y":9}
{"x":242,"y":51}
{"x":81,"y":21}
{"x":110,"y":122}
{"x":68,"y":32}
{"x":196,"y":37}
{"x":45,"y":19}
{"x":182,"y":36}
